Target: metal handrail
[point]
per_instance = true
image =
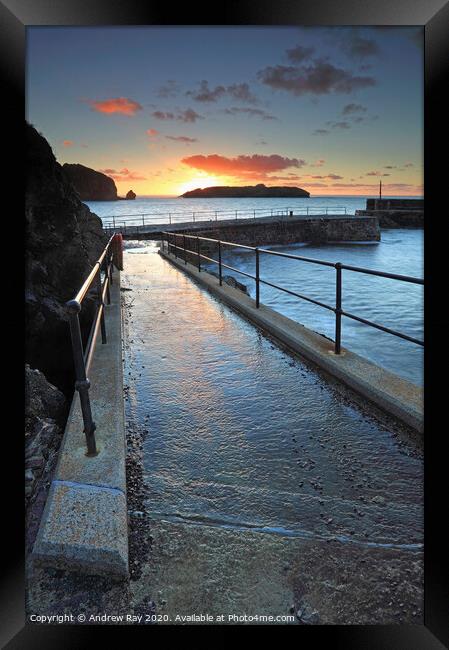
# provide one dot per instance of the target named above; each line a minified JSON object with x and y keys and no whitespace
{"x":172,"y":246}
{"x":114,"y":221}
{"x":83,"y":356}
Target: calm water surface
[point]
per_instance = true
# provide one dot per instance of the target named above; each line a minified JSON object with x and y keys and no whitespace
{"x":395,"y":304}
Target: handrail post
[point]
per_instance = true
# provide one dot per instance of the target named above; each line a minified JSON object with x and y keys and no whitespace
{"x":106,"y":275}
{"x":220,"y":277}
{"x":111,"y":268}
{"x":199,"y":255}
{"x":184,"y":241}
{"x":82,"y":383}
{"x":100,"y":304}
{"x":338,"y":308}
{"x":257,"y":279}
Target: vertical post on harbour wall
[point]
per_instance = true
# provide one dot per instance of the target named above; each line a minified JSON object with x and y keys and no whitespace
{"x":184,"y":242}
{"x":220,"y":277}
{"x":257,"y":279}
{"x":199,"y":254}
{"x":338,"y":308}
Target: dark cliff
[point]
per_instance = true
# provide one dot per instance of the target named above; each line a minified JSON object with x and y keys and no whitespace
{"x":90,"y":184}
{"x":248,"y":191}
{"x":64,"y":239}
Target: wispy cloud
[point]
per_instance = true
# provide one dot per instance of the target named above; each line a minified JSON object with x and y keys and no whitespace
{"x":169,"y":89}
{"x":352,"y":108}
{"x":122,"y":105}
{"x":152,"y":132}
{"x":189,"y":115}
{"x":181,"y":138}
{"x":359,"y":47}
{"x":324,"y":176}
{"x":123,"y":174}
{"x":318,"y":78}
{"x":299,"y":53}
{"x":251,"y":112}
{"x":339,"y":125}
{"x":67,"y":143}
{"x":239,"y":91}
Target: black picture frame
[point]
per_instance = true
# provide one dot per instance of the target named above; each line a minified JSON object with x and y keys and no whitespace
{"x":15,"y":17}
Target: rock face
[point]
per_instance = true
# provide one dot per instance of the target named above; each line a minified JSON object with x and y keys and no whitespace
{"x":90,"y":184}
{"x":64,"y":239}
{"x":249,"y":191}
{"x":45,"y":412}
{"x":130,"y":195}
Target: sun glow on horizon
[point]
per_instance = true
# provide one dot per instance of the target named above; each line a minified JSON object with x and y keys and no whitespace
{"x":199,"y":182}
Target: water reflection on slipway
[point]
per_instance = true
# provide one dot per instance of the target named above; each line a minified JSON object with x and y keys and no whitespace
{"x":243,"y":436}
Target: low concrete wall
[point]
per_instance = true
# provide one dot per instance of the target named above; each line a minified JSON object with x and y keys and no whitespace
{"x":85,"y":523}
{"x":291,"y":230}
{"x":395,"y":204}
{"x":271,"y":230}
{"x":396,"y":218}
{"x":392,"y":394}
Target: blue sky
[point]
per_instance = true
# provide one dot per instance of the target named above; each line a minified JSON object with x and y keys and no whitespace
{"x":165,"y":109}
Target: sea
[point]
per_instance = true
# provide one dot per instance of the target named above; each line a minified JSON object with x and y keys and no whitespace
{"x":394,"y":304}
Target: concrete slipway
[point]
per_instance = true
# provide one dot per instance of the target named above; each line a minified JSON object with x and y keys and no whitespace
{"x":84,"y":525}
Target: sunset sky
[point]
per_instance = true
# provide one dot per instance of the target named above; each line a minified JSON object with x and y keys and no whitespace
{"x":164,"y":110}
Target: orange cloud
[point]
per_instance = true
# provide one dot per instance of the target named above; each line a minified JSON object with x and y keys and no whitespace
{"x":67,"y":143}
{"x":247,"y":166}
{"x":122,"y":105}
{"x":152,"y":132}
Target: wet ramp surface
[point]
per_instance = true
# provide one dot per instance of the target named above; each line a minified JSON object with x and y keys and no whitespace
{"x":248,"y":447}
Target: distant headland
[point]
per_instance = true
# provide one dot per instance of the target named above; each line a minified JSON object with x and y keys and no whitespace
{"x":92,"y":185}
{"x":248,"y":191}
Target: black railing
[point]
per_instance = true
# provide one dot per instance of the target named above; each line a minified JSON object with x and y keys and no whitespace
{"x":171,"y":241}
{"x":82,"y":356}
{"x":136,"y":222}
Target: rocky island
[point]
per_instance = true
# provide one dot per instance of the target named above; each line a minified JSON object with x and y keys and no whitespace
{"x":248,"y":191}
{"x":90,"y":184}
